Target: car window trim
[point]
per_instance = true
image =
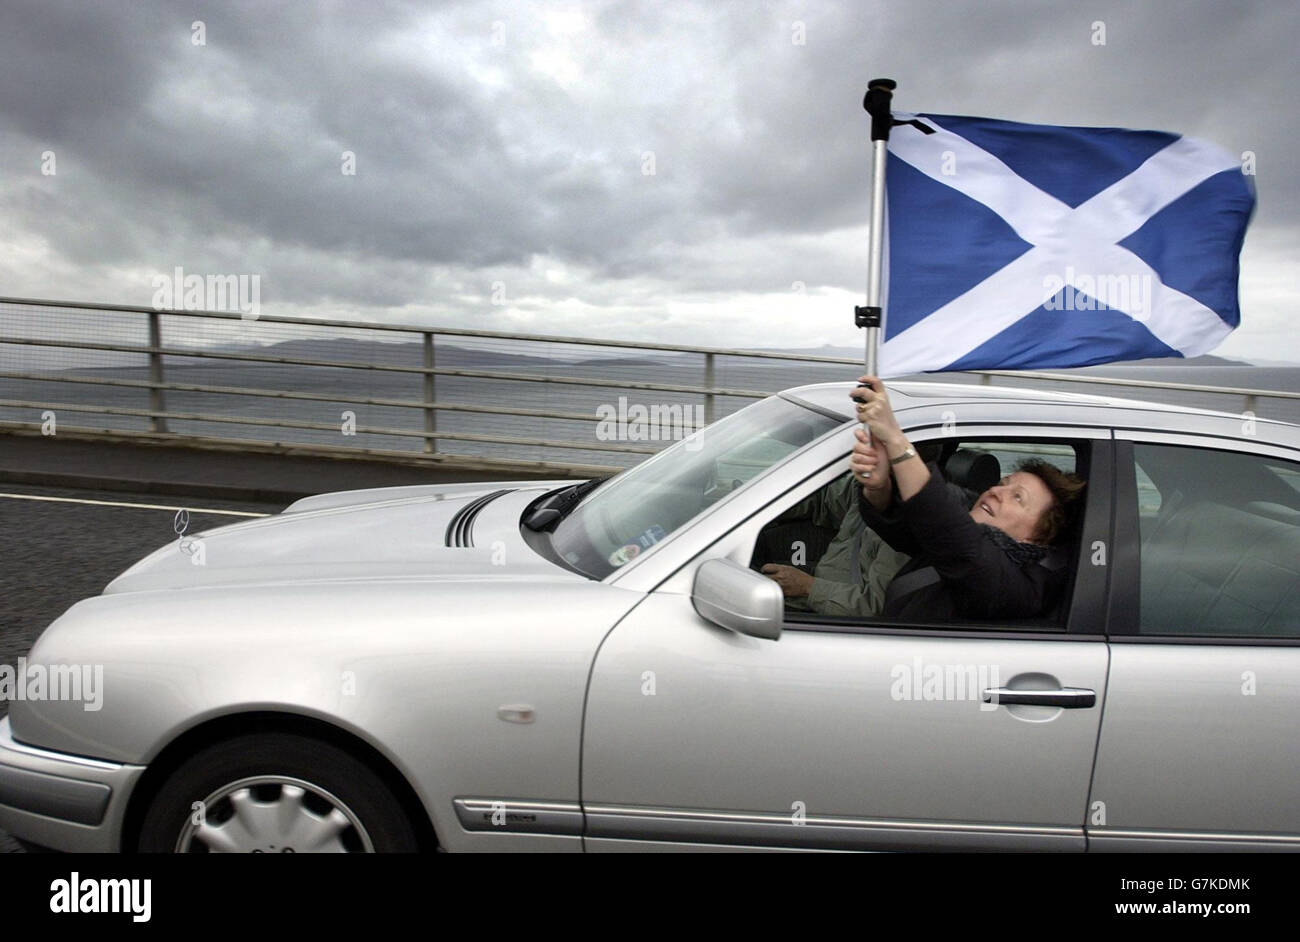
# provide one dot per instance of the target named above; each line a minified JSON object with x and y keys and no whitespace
{"x":1249,"y":641}
{"x":947,"y":630}
{"x":1213,"y":441}
{"x":1124,"y":598}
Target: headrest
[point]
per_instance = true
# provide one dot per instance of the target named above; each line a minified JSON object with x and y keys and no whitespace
{"x":974,"y":470}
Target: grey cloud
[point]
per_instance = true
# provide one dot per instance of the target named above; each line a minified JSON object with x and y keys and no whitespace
{"x":472,"y":160}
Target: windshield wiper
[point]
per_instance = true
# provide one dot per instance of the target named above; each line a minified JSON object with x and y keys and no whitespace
{"x":555,"y":507}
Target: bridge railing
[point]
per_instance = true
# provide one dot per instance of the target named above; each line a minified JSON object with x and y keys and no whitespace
{"x":414,"y":393}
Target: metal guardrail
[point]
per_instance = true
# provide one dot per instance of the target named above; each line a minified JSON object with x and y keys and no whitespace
{"x":185,"y":337}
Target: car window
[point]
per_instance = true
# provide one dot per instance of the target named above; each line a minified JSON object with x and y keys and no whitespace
{"x":1220,"y":555}
{"x":640,"y":507}
{"x":835,"y":571}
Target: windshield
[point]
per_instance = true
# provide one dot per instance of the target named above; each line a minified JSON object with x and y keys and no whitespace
{"x":636,"y":509}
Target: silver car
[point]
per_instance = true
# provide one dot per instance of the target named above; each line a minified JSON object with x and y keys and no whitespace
{"x":569,"y":666}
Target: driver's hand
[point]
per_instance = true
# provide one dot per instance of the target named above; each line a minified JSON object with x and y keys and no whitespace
{"x":794,"y":583}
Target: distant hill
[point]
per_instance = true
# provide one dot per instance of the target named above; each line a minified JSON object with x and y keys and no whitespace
{"x":446,"y":353}
{"x":1206,"y":360}
{"x":410,"y":353}
{"x":615,"y":361}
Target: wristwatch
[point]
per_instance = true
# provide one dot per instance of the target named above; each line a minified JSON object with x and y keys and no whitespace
{"x":910,"y":453}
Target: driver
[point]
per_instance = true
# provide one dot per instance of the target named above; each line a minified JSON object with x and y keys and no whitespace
{"x":852,"y":575}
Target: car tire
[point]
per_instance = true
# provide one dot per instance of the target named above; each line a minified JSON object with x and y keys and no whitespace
{"x":275,"y":793}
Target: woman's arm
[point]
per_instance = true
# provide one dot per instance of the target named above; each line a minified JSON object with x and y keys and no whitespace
{"x":887,"y":520}
{"x":871,"y":464}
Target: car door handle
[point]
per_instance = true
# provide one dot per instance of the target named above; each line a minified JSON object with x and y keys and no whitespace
{"x":1069,"y":698}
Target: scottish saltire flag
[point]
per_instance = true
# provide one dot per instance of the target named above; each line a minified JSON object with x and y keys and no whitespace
{"x":1021,"y":246}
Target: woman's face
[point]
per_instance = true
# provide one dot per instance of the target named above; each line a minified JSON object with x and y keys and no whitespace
{"x":1014,"y":505}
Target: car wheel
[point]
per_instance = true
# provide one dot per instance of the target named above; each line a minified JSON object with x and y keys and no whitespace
{"x":275,"y":794}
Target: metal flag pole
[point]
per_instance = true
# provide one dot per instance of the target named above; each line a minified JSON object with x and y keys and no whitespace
{"x":880,"y":93}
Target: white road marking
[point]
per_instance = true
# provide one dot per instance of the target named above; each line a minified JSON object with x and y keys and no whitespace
{"x":118,"y":503}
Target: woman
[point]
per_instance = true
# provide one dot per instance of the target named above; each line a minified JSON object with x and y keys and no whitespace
{"x":990,"y":558}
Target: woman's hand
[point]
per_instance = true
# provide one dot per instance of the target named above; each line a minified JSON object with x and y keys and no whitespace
{"x":794,"y":583}
{"x":875,"y":412}
{"x":870,"y":464}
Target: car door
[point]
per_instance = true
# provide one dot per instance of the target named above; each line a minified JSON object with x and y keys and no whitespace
{"x":1198,"y":745}
{"x":829,"y":738}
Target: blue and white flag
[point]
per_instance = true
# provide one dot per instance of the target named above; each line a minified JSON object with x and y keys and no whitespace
{"x":1022,"y":246}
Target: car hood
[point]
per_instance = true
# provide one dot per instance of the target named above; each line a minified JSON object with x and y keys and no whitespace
{"x":461,"y":531}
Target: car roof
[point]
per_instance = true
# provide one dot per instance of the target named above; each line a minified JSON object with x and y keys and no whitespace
{"x":1001,"y":401}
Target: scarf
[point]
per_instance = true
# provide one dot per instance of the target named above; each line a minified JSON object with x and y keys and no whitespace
{"x":1022,"y":554}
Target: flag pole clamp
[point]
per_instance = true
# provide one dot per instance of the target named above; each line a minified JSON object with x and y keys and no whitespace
{"x":866,"y":316}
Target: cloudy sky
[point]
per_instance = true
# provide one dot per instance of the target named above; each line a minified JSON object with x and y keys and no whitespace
{"x":502,"y":148}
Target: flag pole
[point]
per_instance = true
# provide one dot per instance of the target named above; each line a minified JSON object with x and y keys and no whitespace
{"x":880,"y":93}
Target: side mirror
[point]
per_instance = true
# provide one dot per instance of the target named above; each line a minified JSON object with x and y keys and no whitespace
{"x":738,"y":599}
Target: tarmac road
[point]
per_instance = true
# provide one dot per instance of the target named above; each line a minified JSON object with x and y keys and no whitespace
{"x":54,"y":553}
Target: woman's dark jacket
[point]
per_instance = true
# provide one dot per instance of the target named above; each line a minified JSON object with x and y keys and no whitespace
{"x":957,"y":571}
